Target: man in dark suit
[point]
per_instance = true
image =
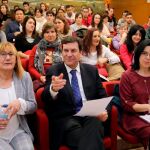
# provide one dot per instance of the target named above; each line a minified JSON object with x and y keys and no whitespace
{"x":64,"y":96}
{"x":14,"y":28}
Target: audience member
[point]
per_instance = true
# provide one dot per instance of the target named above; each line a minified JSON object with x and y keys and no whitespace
{"x":4,"y":13}
{"x":26,"y":7}
{"x":54,"y":10}
{"x":86,"y":18}
{"x":28,"y":37}
{"x":16,"y":7}
{"x":62,"y":101}
{"x":44,"y":8}
{"x":40,"y":19}
{"x":147,"y":33}
{"x":5,"y":2}
{"x":16,"y":92}
{"x":129,"y":20}
{"x":70,"y":15}
{"x":95,"y":53}
{"x":105,"y":34}
{"x":123,"y":18}
{"x":50,"y":17}
{"x":78,"y":23}
{"x":96,"y":22}
{"x":120,"y":38}
{"x":60,"y":12}
{"x":147,"y":25}
{"x":62,"y":26}
{"x":2,"y":35}
{"x":15,"y":27}
{"x":112,"y":20}
{"x":135,"y":94}
{"x":91,"y":11}
{"x":135,"y":35}
{"x":63,"y":7}
{"x":45,"y":53}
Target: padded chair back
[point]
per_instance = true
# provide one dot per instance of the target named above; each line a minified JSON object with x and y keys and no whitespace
{"x":38,"y":98}
{"x":110,"y":142}
{"x":109,"y":87}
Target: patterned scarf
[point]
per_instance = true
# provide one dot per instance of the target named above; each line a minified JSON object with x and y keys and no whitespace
{"x":43,"y":45}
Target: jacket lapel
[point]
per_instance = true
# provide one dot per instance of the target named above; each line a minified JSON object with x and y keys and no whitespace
{"x":84,"y":79}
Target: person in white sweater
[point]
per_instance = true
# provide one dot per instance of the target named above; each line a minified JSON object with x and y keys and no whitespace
{"x":95,"y":53}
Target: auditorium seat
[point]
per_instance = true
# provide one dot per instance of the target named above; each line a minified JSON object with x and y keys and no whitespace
{"x":109,"y":87}
{"x":110,"y":142}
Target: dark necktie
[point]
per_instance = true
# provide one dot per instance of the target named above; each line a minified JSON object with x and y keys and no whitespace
{"x":76,"y":90}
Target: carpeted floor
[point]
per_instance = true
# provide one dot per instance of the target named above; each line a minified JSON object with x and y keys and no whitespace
{"x":123,"y":145}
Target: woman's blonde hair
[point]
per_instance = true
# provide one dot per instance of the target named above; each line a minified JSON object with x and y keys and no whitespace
{"x":18,"y":66}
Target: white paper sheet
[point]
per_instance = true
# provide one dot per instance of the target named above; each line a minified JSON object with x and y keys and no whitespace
{"x":146,"y":117}
{"x":94,"y":107}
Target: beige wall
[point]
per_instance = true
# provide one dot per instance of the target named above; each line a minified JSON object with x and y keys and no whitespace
{"x":139,"y":8}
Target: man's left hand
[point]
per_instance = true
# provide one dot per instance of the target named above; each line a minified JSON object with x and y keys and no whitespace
{"x":103,"y":116}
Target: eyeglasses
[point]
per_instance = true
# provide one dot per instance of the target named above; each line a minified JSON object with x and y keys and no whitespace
{"x":145,"y":54}
{"x":3,"y":55}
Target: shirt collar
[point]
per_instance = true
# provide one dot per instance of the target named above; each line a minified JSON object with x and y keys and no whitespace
{"x":69,"y":69}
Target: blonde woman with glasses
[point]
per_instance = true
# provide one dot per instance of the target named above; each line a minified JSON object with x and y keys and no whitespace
{"x":17,"y":100}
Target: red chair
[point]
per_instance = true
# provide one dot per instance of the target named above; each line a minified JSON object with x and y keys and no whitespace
{"x":109,"y":87}
{"x":102,"y":70}
{"x":38,"y":123}
{"x":110,"y":142}
{"x":42,"y":124}
{"x":25,"y":62}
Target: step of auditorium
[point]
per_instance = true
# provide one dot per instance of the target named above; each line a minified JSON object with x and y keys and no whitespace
{"x":123,"y":145}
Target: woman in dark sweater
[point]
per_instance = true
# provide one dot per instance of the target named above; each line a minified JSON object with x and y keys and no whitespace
{"x":28,"y":37}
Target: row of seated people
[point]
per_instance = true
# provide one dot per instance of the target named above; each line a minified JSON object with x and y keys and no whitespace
{"x":127,"y":49}
{"x":101,"y":55}
{"x":134,"y":139}
{"x":19,"y":97}
{"x":143,"y":48}
{"x":38,"y":65}
{"x":48,"y":52}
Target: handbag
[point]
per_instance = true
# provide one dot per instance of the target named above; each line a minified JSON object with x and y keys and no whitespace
{"x":114,"y":71}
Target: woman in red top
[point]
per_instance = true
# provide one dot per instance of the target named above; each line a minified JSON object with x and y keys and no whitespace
{"x":135,"y":35}
{"x":135,"y":94}
{"x":50,"y":53}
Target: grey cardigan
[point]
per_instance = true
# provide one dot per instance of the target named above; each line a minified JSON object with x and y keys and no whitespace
{"x":24,"y":90}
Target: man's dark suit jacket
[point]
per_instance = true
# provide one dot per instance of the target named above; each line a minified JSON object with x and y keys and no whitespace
{"x":11,"y":28}
{"x":63,"y":105}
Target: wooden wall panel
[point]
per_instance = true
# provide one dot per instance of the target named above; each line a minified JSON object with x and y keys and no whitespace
{"x":139,"y":8}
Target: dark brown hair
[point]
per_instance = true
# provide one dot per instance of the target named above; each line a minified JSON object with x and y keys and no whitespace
{"x":34,"y":34}
{"x":71,"y":39}
{"x":87,"y":42}
{"x":46,"y":27}
{"x":66,"y":25}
